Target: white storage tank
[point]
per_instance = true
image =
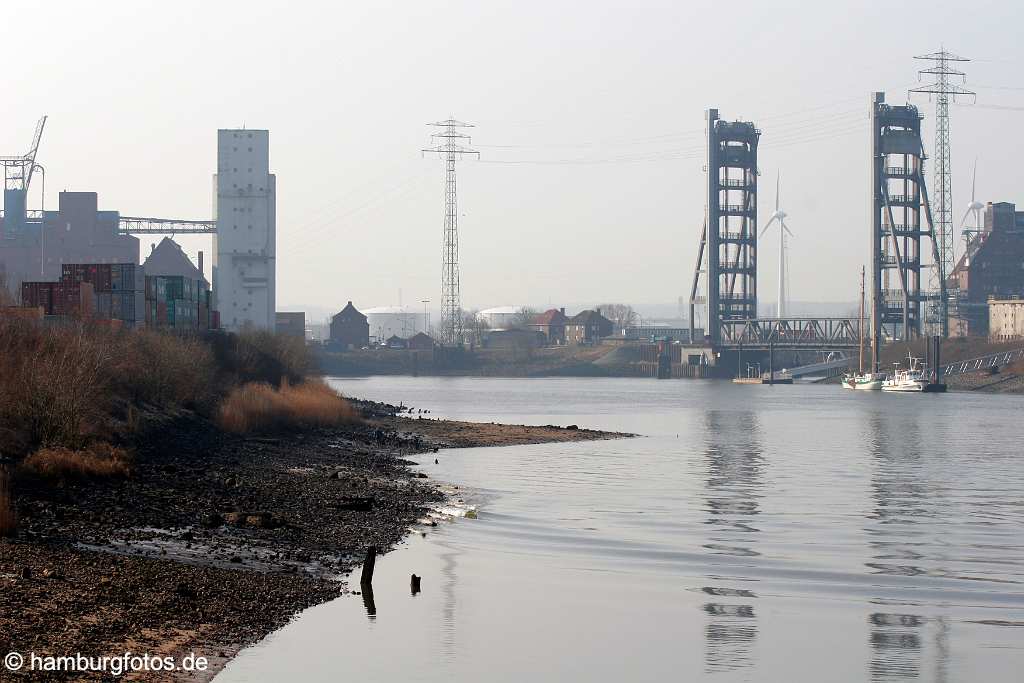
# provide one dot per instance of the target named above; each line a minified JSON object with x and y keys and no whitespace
{"x":388,"y":321}
{"x":501,"y":317}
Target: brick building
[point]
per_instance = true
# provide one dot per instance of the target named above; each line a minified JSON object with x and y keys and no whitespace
{"x":350,"y":328}
{"x":587,"y":327}
{"x":551,"y":323}
{"x":992,"y":266}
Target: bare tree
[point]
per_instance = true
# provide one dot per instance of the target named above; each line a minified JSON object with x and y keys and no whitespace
{"x":523,"y":318}
{"x":621,"y":315}
{"x":473,"y":326}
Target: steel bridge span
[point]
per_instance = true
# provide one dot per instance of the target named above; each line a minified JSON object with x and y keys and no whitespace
{"x":762,"y":334}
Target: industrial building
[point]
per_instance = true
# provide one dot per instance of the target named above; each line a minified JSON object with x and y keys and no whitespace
{"x":77,"y":232}
{"x":1006,"y":319}
{"x":992,"y":266}
{"x":245,"y":242}
{"x":168,"y":258}
{"x":389,"y":321}
{"x":501,"y":317}
{"x":291,"y":324}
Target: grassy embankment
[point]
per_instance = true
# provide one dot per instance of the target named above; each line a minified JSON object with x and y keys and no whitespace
{"x":74,"y":398}
{"x":569,"y":361}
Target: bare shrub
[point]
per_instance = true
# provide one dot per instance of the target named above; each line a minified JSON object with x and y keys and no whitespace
{"x":54,"y":380}
{"x":98,"y":461}
{"x":259,"y":407}
{"x":8,"y":517}
{"x":166,"y":369}
{"x":261,"y":356}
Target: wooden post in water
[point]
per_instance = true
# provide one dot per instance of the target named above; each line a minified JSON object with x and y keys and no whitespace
{"x":414,"y":584}
{"x":371,"y":558}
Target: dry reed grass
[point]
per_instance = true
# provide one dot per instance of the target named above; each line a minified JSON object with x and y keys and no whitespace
{"x":8,"y":517}
{"x":100,"y":460}
{"x":258,"y":407}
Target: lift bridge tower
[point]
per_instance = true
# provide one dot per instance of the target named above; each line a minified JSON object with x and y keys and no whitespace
{"x":901,"y":221}
{"x":728,"y":244}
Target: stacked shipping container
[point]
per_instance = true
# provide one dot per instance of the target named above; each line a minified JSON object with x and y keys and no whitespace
{"x":105,"y":291}
{"x":60,"y":298}
{"x":116,"y":286}
{"x":117,"y":291}
{"x":178,"y":302}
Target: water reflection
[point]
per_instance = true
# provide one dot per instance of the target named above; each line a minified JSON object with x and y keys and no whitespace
{"x":895,"y":646}
{"x":368,"y":603}
{"x":449,"y":577}
{"x":735,"y":464}
{"x":904,"y":501}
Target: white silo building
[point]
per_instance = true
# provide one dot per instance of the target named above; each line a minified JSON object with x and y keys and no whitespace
{"x":389,"y":321}
{"x":500,"y":317}
{"x":244,"y":246}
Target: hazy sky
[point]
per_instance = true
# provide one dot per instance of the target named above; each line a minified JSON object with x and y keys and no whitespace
{"x":589,"y":115}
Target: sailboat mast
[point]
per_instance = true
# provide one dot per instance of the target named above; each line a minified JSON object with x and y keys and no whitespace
{"x":860,"y":344}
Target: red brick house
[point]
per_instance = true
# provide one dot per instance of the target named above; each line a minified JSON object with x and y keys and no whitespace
{"x":587,"y":327}
{"x":551,"y":323}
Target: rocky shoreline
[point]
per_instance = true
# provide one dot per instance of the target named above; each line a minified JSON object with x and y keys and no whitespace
{"x":214,"y":540}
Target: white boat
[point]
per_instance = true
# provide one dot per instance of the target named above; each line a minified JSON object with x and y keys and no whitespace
{"x":913,"y":378}
{"x":863,"y":381}
{"x":870,"y":381}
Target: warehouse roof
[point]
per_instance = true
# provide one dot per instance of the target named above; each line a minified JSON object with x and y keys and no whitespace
{"x":168,"y":258}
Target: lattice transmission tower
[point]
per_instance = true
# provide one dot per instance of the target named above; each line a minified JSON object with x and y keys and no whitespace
{"x":944,"y":92}
{"x":452,"y":145}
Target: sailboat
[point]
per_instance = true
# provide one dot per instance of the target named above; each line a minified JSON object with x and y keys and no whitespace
{"x":863,"y":381}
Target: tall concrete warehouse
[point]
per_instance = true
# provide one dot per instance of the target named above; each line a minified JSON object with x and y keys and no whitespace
{"x":245,"y":244}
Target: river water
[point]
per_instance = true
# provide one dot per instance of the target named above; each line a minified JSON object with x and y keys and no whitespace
{"x":752,"y":533}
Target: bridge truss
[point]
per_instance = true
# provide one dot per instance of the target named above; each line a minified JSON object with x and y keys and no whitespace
{"x":790,"y":333}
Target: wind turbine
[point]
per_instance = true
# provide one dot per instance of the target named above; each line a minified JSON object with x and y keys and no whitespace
{"x":974,"y":207}
{"x":780,"y":216}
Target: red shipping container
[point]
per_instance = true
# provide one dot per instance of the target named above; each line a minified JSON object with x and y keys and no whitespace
{"x":97,"y":274}
{"x":38,"y":294}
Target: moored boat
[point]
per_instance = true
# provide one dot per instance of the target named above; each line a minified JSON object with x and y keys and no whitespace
{"x":860,"y":380}
{"x":870,"y":381}
{"x":913,"y":378}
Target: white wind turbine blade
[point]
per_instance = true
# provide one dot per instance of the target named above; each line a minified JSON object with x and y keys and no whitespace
{"x":966,"y":214}
{"x":974,"y":180}
{"x":777,"y":174}
{"x":786,"y":228}
{"x":768,"y":225}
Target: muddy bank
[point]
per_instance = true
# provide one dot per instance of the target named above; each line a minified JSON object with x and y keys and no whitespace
{"x":454,"y":434}
{"x":215,"y":540}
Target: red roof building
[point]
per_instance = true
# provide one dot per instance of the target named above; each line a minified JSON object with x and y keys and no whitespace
{"x":551,"y":323}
